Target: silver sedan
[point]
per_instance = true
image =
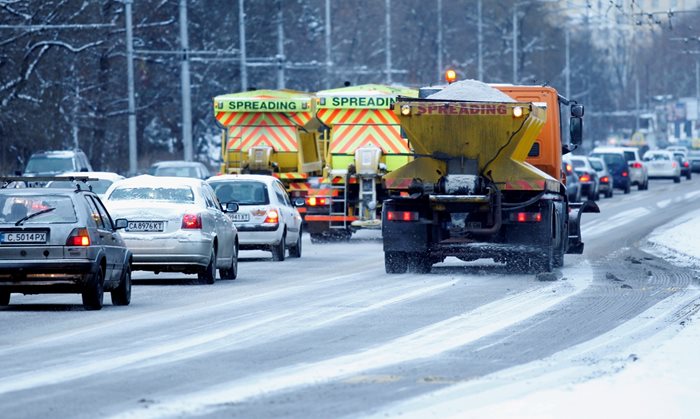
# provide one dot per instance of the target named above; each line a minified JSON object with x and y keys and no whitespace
{"x":176,"y":224}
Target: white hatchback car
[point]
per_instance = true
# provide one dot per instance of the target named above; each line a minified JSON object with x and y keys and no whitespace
{"x":266,"y":219}
{"x":662,"y":165}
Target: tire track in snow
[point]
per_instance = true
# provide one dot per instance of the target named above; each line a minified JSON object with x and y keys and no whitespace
{"x":426,"y":342}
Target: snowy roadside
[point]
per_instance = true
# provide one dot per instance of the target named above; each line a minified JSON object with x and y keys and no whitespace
{"x":662,"y":382}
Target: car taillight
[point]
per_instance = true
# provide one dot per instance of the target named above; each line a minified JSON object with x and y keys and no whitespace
{"x":272,"y":217}
{"x":569,"y":168}
{"x":675,"y":165}
{"x":686,"y":164}
{"x":636,"y":165}
{"x":191,"y":222}
{"x":526,"y":217}
{"x":78,"y":237}
{"x":624,"y":174}
{"x":402,"y":216}
{"x":585,"y":178}
{"x":605,"y":179}
{"x":314,"y":201}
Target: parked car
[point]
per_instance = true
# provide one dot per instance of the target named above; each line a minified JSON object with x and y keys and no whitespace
{"x":176,"y":225}
{"x":662,"y":165}
{"x":618,"y":167}
{"x":684,"y":164}
{"x":604,"y":176}
{"x":102,"y":181}
{"x":267,"y":218}
{"x":638,"y":172}
{"x":586,"y":175}
{"x":573,"y":186}
{"x":694,"y":159}
{"x":62,"y":241}
{"x":180,"y":168}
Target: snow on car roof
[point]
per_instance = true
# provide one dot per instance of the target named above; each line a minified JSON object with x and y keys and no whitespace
{"x":237,"y":177}
{"x":148,"y":180}
{"x":96,"y":175}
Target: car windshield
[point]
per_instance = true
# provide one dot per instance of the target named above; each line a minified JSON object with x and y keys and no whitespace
{"x":183,"y":171}
{"x":14,"y":207}
{"x":242,"y":192}
{"x":49,"y":164}
{"x":98,"y":186}
{"x":172,"y":194}
{"x":596,"y":164}
{"x":613,"y":160}
{"x":629,"y":156}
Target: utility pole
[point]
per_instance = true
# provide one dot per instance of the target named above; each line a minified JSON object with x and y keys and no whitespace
{"x":636,"y":104}
{"x":280,"y":46}
{"x":241,"y":45}
{"x":329,"y":62}
{"x":133,"y":163}
{"x":480,"y":42}
{"x":185,"y":78}
{"x":567,"y":70}
{"x":515,"y":43}
{"x":387,"y":4}
{"x":439,"y":40}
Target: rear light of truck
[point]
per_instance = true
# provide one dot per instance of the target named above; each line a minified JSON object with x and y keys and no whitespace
{"x":191,"y":222}
{"x":585,"y":177}
{"x":402,"y":216}
{"x":78,"y":237}
{"x":526,"y":217}
{"x":272,"y":217}
{"x":315,"y":201}
{"x":636,"y":165}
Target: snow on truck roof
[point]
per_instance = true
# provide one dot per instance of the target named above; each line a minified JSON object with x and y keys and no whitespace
{"x":472,"y":91}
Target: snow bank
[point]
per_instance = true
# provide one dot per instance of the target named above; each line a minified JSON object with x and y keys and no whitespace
{"x":471,"y":90}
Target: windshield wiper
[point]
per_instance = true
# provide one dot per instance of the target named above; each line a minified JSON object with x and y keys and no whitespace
{"x":34,"y":214}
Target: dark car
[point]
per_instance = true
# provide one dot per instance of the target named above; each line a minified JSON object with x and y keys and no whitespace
{"x":684,"y":164}
{"x":61,"y":241}
{"x":694,"y":159}
{"x":618,"y":167}
{"x":180,"y":168}
{"x":573,"y":186}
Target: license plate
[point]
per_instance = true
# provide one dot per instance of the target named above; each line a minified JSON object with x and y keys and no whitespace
{"x":240,"y":217}
{"x":23,"y":237}
{"x":145,"y":226}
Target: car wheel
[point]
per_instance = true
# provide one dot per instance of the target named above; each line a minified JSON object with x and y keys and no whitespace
{"x":627,"y":188}
{"x":609,"y":193}
{"x":395,"y":262}
{"x":577,"y":198}
{"x":689,"y":176}
{"x":295,"y":251}
{"x":677,"y":179}
{"x":646,"y":184}
{"x":4,"y":298}
{"x":280,"y":249}
{"x":208,"y":274}
{"x":232,"y":271}
{"x":121,"y":296}
{"x":592,"y":195}
{"x":93,"y":294}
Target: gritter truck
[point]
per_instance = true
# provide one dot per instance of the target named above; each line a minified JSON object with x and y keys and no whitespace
{"x":486,"y":180}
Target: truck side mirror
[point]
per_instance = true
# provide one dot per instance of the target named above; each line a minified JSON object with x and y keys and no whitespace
{"x":577,"y":110}
{"x":576,"y":130}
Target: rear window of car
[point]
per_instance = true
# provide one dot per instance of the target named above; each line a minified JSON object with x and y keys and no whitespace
{"x":596,"y":164}
{"x":176,"y":171}
{"x":613,"y":160}
{"x":578,"y":163}
{"x":629,"y":156}
{"x":48,"y":209}
{"x":657,"y":157}
{"x":172,"y":194}
{"x":242,"y":192}
{"x":50,"y":164}
{"x":98,"y":186}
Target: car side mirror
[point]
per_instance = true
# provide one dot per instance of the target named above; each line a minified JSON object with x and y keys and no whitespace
{"x":231,"y":207}
{"x":120,"y":223}
{"x":576,"y":130}
{"x":299,"y":202}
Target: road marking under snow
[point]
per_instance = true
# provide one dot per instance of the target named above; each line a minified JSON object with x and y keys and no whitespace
{"x":426,"y":342}
{"x":616,"y":221}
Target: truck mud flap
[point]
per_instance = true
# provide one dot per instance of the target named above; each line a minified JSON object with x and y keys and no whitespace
{"x":575,"y":211}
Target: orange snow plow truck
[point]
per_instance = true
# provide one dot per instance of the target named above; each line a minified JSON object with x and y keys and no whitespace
{"x":486,"y":181}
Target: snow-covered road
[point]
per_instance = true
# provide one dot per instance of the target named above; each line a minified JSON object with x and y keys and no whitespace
{"x":332,"y":335}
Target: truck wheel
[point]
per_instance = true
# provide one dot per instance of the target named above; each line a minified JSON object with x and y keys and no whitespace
{"x":543,"y":262}
{"x":420,"y":263}
{"x":395,"y":262}
{"x":4,"y":298}
{"x":121,"y":296}
{"x":93,"y":294}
